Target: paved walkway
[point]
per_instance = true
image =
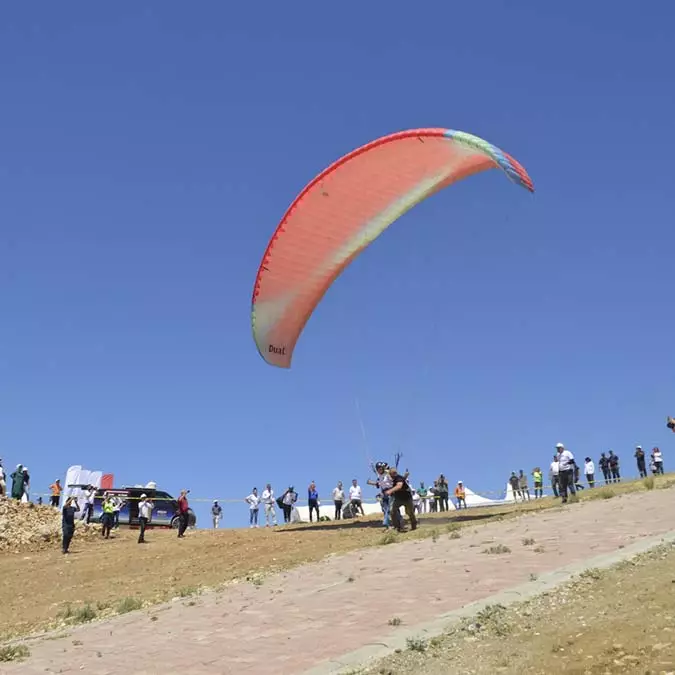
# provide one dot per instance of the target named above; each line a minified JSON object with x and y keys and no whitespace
{"x":320,"y":611}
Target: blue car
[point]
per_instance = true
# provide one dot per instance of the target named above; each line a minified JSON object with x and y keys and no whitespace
{"x":165,"y":513}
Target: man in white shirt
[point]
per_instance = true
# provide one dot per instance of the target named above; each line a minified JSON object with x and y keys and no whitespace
{"x":253,"y":502}
{"x":589,"y":470}
{"x":565,"y":471}
{"x":554,"y":474}
{"x":267,"y":498}
{"x":338,"y":500}
{"x":145,"y":507}
{"x":355,"y":497}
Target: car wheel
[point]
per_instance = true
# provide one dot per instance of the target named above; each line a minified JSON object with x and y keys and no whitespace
{"x":175,"y":522}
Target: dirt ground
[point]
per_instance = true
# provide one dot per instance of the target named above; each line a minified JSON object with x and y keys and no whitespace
{"x":620,"y":620}
{"x":44,"y":589}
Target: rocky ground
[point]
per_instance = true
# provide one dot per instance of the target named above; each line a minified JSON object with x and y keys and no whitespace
{"x":26,"y":528}
{"x":620,"y":620}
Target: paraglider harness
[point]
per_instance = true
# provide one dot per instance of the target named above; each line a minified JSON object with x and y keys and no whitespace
{"x":670,"y":423}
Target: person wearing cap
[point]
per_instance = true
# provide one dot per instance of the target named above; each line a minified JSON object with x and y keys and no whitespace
{"x":402,"y":499}
{"x":216,"y":513}
{"x":460,"y":494}
{"x":2,"y":479}
{"x":25,"y":497}
{"x":566,"y":472}
{"x":640,"y":459}
{"x":145,"y":507}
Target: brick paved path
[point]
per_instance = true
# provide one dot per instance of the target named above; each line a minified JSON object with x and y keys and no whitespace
{"x":297,"y":619}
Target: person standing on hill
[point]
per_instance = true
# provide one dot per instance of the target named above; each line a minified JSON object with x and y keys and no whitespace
{"x":108,"y":507}
{"x":589,"y":470}
{"x":641,"y":463}
{"x":183,"y":513}
{"x":443,"y":492}
{"x":25,"y":497}
{"x":460,"y":495}
{"x":313,"y":501}
{"x":145,"y":507}
{"x":338,"y":499}
{"x":603,"y":462}
{"x":55,"y":487}
{"x":253,"y":502}
{"x":538,"y":479}
{"x":614,"y":467}
{"x":287,"y":500}
{"x":566,"y":472}
{"x":356,"y":497}
{"x":554,"y":474}
{"x":267,"y":498}
{"x":216,"y":514}
{"x":17,"y":482}
{"x":658,"y":460}
{"x":68,"y":522}
{"x":522,"y":485}
{"x":2,"y":480}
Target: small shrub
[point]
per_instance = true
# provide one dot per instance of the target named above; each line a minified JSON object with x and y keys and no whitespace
{"x":394,"y":621}
{"x":127,"y":605}
{"x":13,"y":653}
{"x":601,"y":493}
{"x":84,"y":614}
{"x":593,"y":574}
{"x":351,"y":579}
{"x":499,"y":549}
{"x":539,"y":549}
{"x":434,"y":535}
{"x":533,"y":576}
{"x":67,"y":612}
{"x":528,"y":541}
{"x":649,"y":482}
{"x":416,"y":644}
{"x":188,"y":591}
{"x":455,"y":534}
{"x":388,"y":538}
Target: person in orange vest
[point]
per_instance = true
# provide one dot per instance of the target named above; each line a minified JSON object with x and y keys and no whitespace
{"x":55,"y":487}
{"x":460,"y":494}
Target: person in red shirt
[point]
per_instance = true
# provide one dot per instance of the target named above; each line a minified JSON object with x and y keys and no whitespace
{"x":182,"y":513}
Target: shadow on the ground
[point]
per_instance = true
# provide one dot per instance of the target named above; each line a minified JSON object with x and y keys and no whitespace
{"x":372,"y":524}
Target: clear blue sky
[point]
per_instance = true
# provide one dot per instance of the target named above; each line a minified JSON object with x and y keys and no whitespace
{"x":150,"y":148}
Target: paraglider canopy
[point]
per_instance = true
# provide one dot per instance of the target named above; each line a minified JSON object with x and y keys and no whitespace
{"x":344,"y":209}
